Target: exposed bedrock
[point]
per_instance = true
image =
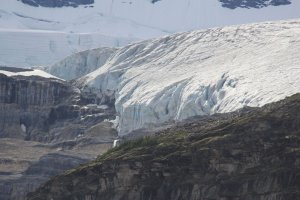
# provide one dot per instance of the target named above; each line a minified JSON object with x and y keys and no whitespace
{"x":248,"y":155}
{"x":233,"y":4}
{"x":37,"y":173}
{"x":25,"y":103}
{"x":57,"y":3}
{"x":46,"y":127}
{"x":32,"y":106}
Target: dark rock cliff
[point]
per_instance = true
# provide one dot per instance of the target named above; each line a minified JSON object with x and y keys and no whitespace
{"x":247,"y":155}
{"x":233,"y":4}
{"x":25,"y":103}
{"x":46,"y":127}
{"x":49,"y":165}
{"x":57,"y":3}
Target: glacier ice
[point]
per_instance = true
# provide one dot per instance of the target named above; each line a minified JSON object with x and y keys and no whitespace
{"x":82,"y":63}
{"x":200,"y":73}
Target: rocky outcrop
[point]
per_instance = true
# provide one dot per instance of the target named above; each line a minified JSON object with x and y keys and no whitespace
{"x":25,"y":103}
{"x":46,"y":127}
{"x":25,"y":165}
{"x":37,"y":173}
{"x":233,"y":4}
{"x":31,"y":105}
{"x":57,"y":3}
{"x":247,"y":155}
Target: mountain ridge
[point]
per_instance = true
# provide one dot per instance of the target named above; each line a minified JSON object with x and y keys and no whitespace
{"x":251,"y":155}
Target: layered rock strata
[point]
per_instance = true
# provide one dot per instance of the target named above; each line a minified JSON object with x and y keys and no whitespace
{"x":46,"y":127}
{"x":248,"y":155}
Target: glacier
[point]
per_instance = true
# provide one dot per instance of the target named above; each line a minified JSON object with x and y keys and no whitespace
{"x":199,"y":73}
{"x":33,"y":36}
{"x":81,"y":63}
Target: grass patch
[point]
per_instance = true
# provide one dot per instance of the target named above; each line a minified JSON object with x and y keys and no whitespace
{"x":142,"y":145}
{"x":127,"y":146}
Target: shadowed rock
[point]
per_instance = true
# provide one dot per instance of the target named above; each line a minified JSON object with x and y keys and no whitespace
{"x":57,"y":3}
{"x":46,"y":127}
{"x":233,"y":4}
{"x":248,"y":155}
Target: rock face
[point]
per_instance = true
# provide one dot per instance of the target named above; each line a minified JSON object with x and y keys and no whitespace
{"x":47,"y":126}
{"x":57,"y":3}
{"x":25,"y":103}
{"x":232,"y":4}
{"x":247,"y":155}
{"x":14,"y":187}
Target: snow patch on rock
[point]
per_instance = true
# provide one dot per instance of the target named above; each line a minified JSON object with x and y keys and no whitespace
{"x":35,"y":72}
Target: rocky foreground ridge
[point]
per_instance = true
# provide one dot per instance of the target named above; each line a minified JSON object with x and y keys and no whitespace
{"x":46,"y":127}
{"x":246,"y":155}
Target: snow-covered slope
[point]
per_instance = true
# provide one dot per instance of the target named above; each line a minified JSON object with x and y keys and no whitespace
{"x":41,"y":36}
{"x":8,"y":71}
{"x":132,"y":17}
{"x":200,"y":73}
{"x":32,"y":47}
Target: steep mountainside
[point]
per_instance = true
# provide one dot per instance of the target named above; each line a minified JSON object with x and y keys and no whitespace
{"x":198,"y":73}
{"x":247,"y":155}
{"x":46,"y":127}
{"x":26,"y":101}
{"x":43,"y":35}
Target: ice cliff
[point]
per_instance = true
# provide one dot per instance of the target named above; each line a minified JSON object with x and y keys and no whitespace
{"x":82,"y":63}
{"x":200,"y":73}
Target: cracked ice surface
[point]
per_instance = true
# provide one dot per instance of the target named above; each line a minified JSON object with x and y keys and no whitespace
{"x":200,"y":73}
{"x":81,"y":63}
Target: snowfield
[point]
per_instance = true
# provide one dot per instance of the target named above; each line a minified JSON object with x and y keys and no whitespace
{"x":34,"y":47}
{"x":29,"y":72}
{"x":200,"y":73}
{"x":43,"y":36}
